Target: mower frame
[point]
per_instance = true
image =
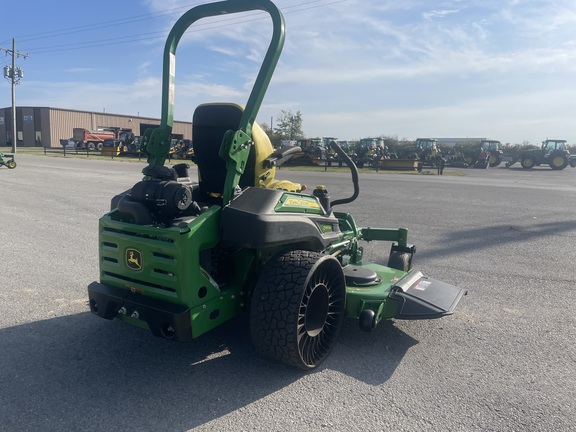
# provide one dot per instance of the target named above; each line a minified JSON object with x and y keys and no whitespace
{"x":180,"y":259}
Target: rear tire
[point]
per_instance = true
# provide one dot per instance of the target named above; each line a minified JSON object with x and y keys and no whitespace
{"x":298,"y":308}
{"x":495,"y":160}
{"x":559,"y":162}
{"x":527,"y":162}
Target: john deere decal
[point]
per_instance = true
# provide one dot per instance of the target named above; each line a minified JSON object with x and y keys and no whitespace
{"x":133,"y":259}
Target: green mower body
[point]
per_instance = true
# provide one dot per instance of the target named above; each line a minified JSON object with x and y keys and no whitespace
{"x":180,"y":257}
{"x":7,"y":160}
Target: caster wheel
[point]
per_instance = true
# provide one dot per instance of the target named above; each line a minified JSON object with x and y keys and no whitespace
{"x":366,"y":320}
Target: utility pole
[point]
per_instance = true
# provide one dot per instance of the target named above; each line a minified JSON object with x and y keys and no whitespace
{"x":13,"y":74}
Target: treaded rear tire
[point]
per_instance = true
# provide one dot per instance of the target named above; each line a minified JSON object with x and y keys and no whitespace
{"x":298,"y":308}
{"x":559,"y":162}
{"x":495,"y":160}
{"x":527,"y":162}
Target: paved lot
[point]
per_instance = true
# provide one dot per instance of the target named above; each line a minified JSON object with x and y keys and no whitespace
{"x":505,"y":361}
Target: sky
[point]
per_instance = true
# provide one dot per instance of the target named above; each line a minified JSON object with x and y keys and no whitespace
{"x":499,"y":69}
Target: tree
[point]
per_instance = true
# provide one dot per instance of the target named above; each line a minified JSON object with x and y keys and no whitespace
{"x":275,"y":139}
{"x":289,"y":125}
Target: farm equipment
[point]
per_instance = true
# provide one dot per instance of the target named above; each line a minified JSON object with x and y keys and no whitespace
{"x":312,"y":154}
{"x":180,"y":258}
{"x":124,"y":142}
{"x":424,"y":150}
{"x":552,"y":152}
{"x":490,"y":153}
{"x":473,"y":155}
{"x":333,"y":158}
{"x":7,"y":160}
{"x":366,"y":151}
{"x":182,"y":150}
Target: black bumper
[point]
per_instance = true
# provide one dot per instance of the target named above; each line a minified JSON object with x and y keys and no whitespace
{"x":165,"y":320}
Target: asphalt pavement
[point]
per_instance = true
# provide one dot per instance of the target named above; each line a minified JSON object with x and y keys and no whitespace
{"x":505,"y":361}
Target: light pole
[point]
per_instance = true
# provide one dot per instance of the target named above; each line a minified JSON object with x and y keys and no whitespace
{"x":13,"y":74}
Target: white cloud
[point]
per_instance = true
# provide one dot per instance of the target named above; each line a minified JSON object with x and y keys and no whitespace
{"x":438,"y":13}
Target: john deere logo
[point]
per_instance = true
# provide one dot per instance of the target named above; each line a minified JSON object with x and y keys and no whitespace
{"x":133,"y":259}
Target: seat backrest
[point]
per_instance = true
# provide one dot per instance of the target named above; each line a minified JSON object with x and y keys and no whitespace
{"x":209,"y":124}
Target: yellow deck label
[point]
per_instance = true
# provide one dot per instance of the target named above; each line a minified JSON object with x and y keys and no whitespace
{"x":298,"y":202}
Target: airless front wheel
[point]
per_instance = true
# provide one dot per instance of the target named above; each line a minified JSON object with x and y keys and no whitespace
{"x":298,"y":307}
{"x":11,"y":164}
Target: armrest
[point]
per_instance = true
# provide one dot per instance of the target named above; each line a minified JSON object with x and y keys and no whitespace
{"x":278,"y":157}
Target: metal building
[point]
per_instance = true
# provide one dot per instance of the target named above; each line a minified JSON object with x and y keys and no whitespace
{"x":451,"y":142}
{"x":45,"y":127}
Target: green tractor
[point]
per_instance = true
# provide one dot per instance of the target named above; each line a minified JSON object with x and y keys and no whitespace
{"x":366,"y":150}
{"x":552,"y":152}
{"x":490,"y":154}
{"x":7,"y":160}
{"x":313,"y":153}
{"x":179,"y":257}
{"x":426,"y":150}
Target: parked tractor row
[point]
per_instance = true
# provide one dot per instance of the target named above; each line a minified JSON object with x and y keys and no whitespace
{"x":373,"y":152}
{"x":490,"y":153}
{"x":116,"y":141}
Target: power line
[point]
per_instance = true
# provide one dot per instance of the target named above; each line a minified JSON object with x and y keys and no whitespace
{"x":145,"y":36}
{"x":148,"y":36}
{"x":136,"y":18}
{"x":100,"y":25}
{"x":141,"y":37}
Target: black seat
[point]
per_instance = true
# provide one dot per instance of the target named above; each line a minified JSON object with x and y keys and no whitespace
{"x":209,"y":124}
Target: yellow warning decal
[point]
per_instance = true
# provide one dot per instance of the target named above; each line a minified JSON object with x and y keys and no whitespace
{"x":298,"y":202}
